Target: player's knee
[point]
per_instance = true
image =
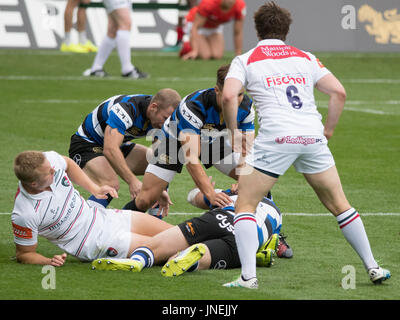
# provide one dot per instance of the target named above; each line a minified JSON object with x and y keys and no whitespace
{"x":191,"y":197}
{"x":217,"y":55}
{"x":144,"y":202}
{"x":205,"y":55}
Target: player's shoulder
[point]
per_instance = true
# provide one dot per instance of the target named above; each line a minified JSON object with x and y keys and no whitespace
{"x":23,"y":209}
{"x":207,"y":4}
{"x":206,"y":7}
{"x":56,"y":160}
{"x":200,"y":99}
{"x":240,"y":7}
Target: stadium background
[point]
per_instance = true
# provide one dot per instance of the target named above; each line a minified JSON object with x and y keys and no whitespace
{"x":39,"y":24}
{"x":44,"y":98}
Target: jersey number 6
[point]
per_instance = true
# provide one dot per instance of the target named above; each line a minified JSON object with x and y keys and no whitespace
{"x":293,"y":99}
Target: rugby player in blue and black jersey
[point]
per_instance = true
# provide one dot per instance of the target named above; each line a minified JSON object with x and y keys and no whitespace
{"x":102,"y":145}
{"x":193,"y":135}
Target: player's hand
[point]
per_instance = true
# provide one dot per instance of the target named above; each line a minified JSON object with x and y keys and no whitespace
{"x":164,"y":202}
{"x":221,"y":200}
{"x":235,"y":188}
{"x":58,"y":260}
{"x":328,"y":133}
{"x":103,"y":191}
{"x":191,"y":55}
{"x":134,"y":188}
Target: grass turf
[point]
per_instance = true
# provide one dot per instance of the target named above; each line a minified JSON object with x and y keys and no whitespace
{"x":44,"y":99}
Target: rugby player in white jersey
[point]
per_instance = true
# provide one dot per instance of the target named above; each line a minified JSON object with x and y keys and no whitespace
{"x":281,"y":80}
{"x":47,"y":204}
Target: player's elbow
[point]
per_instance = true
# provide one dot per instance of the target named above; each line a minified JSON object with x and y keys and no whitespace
{"x":20,"y":257}
{"x":228,"y":97}
{"x":340,"y":93}
{"x":108,"y":151}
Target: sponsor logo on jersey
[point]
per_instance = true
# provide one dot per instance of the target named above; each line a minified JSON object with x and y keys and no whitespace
{"x":297,"y":140}
{"x":276,"y":52}
{"x":22,"y":232}
{"x":285,"y":80}
{"x":65,"y":182}
{"x":122,"y":115}
{"x":189,"y":116}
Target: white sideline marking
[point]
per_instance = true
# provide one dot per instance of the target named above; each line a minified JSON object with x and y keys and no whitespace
{"x":301,"y":214}
{"x":109,"y":78}
{"x":113,"y":78}
{"x":320,"y":104}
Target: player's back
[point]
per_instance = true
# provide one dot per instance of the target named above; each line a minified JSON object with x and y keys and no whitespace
{"x":281,"y":80}
{"x":124,"y":112}
{"x":199,"y":112}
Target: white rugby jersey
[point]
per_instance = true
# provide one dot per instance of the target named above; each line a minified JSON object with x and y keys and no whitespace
{"x":281,"y":79}
{"x":61,"y":215}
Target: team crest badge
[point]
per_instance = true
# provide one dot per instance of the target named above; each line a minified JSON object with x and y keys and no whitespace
{"x":111,"y":252}
{"x":65,"y":182}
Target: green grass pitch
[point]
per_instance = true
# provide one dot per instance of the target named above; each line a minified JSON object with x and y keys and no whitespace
{"x":44,"y":98}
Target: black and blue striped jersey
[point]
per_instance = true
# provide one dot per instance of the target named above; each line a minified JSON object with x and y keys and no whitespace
{"x":126,"y":113}
{"x":199,"y":111}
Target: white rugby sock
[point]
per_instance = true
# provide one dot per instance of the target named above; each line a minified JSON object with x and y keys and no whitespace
{"x":106,"y":47}
{"x":67,"y":38}
{"x":247,"y":242}
{"x":82,"y":37}
{"x":124,"y":50}
{"x":353,"y":230}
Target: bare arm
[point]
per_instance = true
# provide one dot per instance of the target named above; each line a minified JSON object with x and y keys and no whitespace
{"x":198,"y":22}
{"x":28,"y":255}
{"x":230,"y":104}
{"x":191,"y":145}
{"x":238,"y":36}
{"x":331,"y":86}
{"x":78,"y":176}
{"x":112,"y":141}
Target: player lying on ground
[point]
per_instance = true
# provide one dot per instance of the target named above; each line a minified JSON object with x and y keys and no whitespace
{"x":198,"y":200}
{"x":206,"y":242}
{"x":47,"y":204}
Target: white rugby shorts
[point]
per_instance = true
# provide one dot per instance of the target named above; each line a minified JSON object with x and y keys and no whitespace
{"x":308,"y":154}
{"x":111,"y":237}
{"x":187,"y":28}
{"x":227,"y":164}
{"x":112,"y":5}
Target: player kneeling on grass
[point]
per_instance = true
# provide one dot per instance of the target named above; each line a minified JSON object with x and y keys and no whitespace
{"x":204,"y":242}
{"x":47,"y":204}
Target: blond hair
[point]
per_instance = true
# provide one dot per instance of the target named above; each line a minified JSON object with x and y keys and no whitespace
{"x":26,"y":163}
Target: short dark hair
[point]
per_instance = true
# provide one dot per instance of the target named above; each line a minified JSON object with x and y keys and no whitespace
{"x":221,"y":75}
{"x":272,"y":21}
